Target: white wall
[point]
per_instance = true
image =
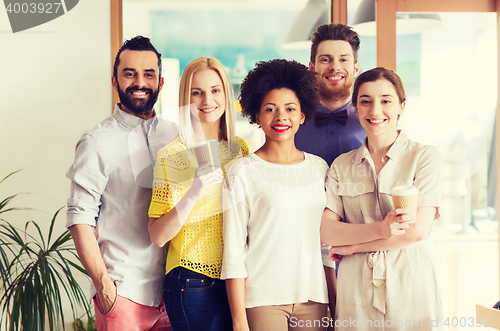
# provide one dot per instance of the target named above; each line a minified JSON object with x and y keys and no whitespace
{"x":54,"y":85}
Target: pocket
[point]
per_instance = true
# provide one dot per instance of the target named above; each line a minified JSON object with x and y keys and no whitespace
{"x":197,"y":285}
{"x":358,"y":200}
{"x":166,"y":298}
{"x":97,"y":302}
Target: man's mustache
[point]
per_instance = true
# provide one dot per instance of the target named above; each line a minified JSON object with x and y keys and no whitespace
{"x":143,"y":89}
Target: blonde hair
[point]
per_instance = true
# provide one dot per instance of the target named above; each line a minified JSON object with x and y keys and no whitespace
{"x":227,"y":121}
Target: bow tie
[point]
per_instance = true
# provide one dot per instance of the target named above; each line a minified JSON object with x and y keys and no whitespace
{"x":322,"y":118}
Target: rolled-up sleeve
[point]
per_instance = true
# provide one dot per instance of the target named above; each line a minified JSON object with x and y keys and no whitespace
{"x":236,"y":216}
{"x":325,"y":250}
{"x":89,"y":178}
{"x":428,"y":179}
{"x":162,"y":199}
{"x":333,"y":200}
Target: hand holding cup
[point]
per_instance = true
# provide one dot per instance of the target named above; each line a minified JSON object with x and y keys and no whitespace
{"x":204,"y":176}
{"x":406,"y":197}
{"x":208,"y":171}
{"x":395,"y":223}
{"x":207,"y":154}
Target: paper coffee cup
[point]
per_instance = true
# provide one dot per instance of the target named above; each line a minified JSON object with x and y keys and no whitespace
{"x":208,"y":152}
{"x":405,"y":197}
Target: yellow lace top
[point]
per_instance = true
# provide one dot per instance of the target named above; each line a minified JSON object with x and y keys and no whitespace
{"x":199,"y":244}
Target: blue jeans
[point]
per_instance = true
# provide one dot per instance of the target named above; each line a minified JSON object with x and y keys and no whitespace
{"x":196,"y":302}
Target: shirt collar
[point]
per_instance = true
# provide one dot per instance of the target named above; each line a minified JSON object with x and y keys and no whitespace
{"x":131,"y":121}
{"x":363,"y":152}
{"x":398,"y":145}
{"x":347,"y":107}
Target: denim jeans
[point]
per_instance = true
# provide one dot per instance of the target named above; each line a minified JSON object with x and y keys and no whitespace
{"x":196,"y":302}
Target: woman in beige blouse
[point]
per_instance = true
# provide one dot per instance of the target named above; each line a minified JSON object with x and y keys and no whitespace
{"x":386,"y":278}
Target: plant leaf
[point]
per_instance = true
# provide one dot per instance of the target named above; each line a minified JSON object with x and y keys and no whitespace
{"x":36,"y":273}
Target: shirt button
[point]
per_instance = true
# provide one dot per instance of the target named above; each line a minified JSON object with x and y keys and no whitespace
{"x":386,"y":158}
{"x":332,"y":132}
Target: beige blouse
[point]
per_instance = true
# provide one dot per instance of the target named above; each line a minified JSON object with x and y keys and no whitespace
{"x":358,"y":195}
{"x":398,"y":285}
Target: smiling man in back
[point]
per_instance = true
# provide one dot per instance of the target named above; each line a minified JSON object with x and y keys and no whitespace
{"x":336,"y":128}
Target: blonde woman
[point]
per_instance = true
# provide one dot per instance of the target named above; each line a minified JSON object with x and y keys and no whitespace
{"x":186,"y":207}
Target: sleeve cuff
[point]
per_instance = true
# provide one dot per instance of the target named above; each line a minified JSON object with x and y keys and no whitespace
{"x":234,"y":273}
{"x":325,"y":249}
{"x":335,"y":206}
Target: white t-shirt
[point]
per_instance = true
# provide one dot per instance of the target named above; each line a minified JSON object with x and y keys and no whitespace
{"x":272,"y":219}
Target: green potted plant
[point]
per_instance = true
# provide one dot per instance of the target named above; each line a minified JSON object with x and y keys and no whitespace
{"x":36,"y":272}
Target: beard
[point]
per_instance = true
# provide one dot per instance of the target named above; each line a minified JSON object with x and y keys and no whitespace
{"x":337,"y":93}
{"x":138,"y":106}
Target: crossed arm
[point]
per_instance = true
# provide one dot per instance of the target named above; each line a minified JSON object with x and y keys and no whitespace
{"x":391,"y":233}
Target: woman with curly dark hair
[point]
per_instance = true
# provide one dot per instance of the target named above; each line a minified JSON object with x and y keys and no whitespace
{"x":273,"y":204}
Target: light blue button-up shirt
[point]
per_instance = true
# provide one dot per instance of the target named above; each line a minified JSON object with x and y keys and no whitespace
{"x":106,"y":195}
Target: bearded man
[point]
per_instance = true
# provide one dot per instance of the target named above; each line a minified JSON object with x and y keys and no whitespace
{"x":125,"y":267}
{"x":336,"y":128}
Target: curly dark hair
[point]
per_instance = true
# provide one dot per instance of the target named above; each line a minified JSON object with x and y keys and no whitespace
{"x":277,"y":74}
{"x":138,"y":43}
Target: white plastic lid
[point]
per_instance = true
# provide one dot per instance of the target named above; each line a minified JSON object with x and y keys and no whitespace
{"x":403,"y":191}
{"x":205,"y":143}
